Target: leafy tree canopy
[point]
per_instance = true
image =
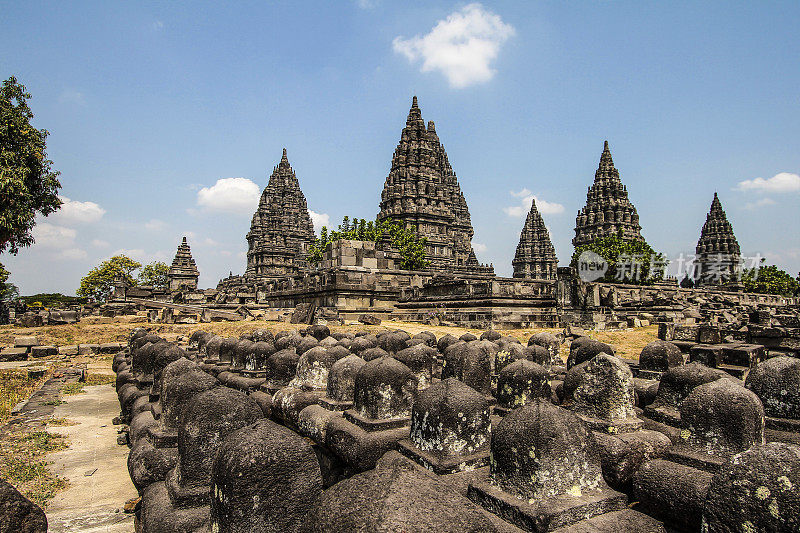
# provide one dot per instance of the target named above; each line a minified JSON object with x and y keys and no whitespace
{"x":406,"y":240}
{"x":53,"y":299}
{"x":99,"y":282}
{"x":769,"y":280}
{"x":629,"y":261}
{"x":8,"y":291}
{"x":154,"y":274}
{"x":27,"y":183}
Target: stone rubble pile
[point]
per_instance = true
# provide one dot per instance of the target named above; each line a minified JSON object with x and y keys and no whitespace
{"x":318,"y":430}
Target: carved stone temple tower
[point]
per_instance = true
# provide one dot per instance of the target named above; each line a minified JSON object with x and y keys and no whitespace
{"x":183,"y":273}
{"x":423,"y":191}
{"x":718,"y":253}
{"x":536,"y":256}
{"x":281,"y":230}
{"x":607,"y":209}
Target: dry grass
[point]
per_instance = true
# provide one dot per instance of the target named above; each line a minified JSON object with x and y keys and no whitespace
{"x":627,"y":343}
{"x":16,"y":386}
{"x":22,"y":464}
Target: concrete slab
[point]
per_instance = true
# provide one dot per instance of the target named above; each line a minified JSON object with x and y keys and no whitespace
{"x":95,"y":466}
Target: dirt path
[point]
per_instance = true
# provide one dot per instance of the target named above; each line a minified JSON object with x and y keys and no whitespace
{"x":95,"y":466}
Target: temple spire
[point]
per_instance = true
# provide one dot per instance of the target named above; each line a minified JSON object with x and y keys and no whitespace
{"x":608,"y":209}
{"x":535,"y":257}
{"x":717,"y":253}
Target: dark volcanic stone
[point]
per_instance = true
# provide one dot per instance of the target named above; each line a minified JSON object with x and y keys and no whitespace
{"x":450,"y":422}
{"x":242,"y":352}
{"x":396,"y":497}
{"x":660,"y":356}
{"x":605,"y":397}
{"x":265,"y":477}
{"x":342,"y":378}
{"x":541,"y":450}
{"x":384,"y":388}
{"x":444,"y":342}
{"x":672,"y":492}
{"x":675,"y":385}
{"x":393,"y":341}
{"x":419,"y":359}
{"x":148,"y":464}
{"x":776,"y":382}
{"x":312,"y":369}
{"x":18,"y":513}
{"x":756,"y":491}
{"x":373,"y":353}
{"x":360,"y":344}
{"x":282,"y":366}
{"x":453,"y":357}
{"x":318,"y":331}
{"x":180,"y":387}
{"x":723,"y":418}
{"x":204,"y":424}
{"x":226,"y":349}
{"x":587,"y":350}
{"x":212,"y":347}
{"x":520,"y":382}
{"x":490,"y":335}
{"x":306,"y":343}
{"x":468,"y":337}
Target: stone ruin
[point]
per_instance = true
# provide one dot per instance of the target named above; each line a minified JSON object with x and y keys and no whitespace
{"x":319,"y":430}
{"x":366,"y":280}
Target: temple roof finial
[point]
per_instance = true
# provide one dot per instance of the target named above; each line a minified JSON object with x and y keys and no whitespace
{"x":414,"y":101}
{"x":184,"y":240}
{"x":284,"y":157}
{"x":605,"y":147}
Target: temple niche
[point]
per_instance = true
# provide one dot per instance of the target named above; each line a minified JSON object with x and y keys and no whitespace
{"x":718,"y":254}
{"x":422,"y":191}
{"x":608,"y":210}
{"x":183,"y":273}
{"x":281,"y":230}
{"x":536,"y":256}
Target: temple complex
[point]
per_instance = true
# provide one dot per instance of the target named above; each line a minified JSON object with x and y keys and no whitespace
{"x":536,"y":256}
{"x":718,"y":253}
{"x":422,"y":191}
{"x":183,"y":273}
{"x":281,"y":230}
{"x":608,"y":210}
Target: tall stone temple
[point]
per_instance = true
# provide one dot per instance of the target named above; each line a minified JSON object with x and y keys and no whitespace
{"x":718,"y":254}
{"x":422,"y":191}
{"x":536,"y":256}
{"x":608,"y":209}
{"x":183,"y":274}
{"x":281,"y":230}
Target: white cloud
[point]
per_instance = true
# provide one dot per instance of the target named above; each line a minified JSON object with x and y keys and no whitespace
{"x":72,"y":254}
{"x":74,"y":212}
{"x":521,"y":210}
{"x":782,"y":182}
{"x":478,"y":247}
{"x":759,"y":203}
{"x":155,"y":225}
{"x":52,"y":236}
{"x":138,"y":254}
{"x":71,"y":96}
{"x":233,"y":195}
{"x":319,"y":220}
{"x":462,"y":46}
{"x":522,"y":194}
{"x":98,"y":243}
{"x":367,"y":4}
{"x":157,"y":25}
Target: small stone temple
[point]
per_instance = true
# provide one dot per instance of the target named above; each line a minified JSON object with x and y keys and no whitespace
{"x":718,"y":252}
{"x":536,"y":256}
{"x":422,"y":191}
{"x":183,"y":273}
{"x":608,"y":209}
{"x":281,"y":230}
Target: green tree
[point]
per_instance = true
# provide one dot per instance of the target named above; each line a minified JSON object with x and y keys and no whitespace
{"x":8,"y":291}
{"x":629,"y":261}
{"x":99,"y":282}
{"x":408,"y":242}
{"x":28,"y":185}
{"x":154,"y":274}
{"x":769,"y":279}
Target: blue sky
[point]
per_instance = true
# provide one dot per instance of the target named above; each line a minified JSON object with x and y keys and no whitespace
{"x":153,"y":107}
